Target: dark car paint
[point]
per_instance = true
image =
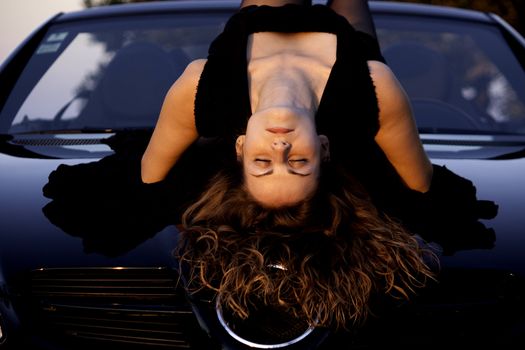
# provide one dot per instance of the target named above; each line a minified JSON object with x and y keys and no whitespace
{"x":490,"y":176}
{"x":479,"y":282}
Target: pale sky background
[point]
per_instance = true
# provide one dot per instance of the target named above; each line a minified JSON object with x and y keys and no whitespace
{"x":18,"y":18}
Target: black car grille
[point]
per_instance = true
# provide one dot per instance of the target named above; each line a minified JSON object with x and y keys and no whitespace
{"x":131,"y":307}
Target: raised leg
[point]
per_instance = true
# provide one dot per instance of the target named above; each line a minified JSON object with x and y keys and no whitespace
{"x":356,"y":12}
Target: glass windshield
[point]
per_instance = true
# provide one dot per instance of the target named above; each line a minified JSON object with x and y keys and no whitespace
{"x":460,"y":76}
{"x":107,"y":74}
{"x":113,"y":74}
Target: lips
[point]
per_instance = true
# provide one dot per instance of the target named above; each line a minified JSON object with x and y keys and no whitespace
{"x":279,"y":130}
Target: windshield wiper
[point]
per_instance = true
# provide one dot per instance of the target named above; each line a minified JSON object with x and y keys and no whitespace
{"x":87,"y":130}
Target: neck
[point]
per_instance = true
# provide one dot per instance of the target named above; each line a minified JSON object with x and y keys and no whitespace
{"x":286,"y":91}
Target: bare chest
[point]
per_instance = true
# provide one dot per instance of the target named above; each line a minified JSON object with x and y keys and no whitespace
{"x":292,"y":66}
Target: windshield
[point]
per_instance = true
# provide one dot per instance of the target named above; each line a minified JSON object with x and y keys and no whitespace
{"x":460,"y":76}
{"x":106,"y":74}
{"x":113,"y":74}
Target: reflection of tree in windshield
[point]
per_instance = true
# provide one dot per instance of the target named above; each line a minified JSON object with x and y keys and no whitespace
{"x":490,"y":91}
{"x":93,"y":3}
{"x":484,"y":85}
{"x":118,"y":72}
{"x":127,"y":88}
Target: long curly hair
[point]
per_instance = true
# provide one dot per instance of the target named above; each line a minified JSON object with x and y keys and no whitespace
{"x":324,"y":259}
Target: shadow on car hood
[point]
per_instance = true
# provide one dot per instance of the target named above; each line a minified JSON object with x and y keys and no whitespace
{"x":34,"y":237}
{"x":30,"y":240}
{"x":499,"y":181}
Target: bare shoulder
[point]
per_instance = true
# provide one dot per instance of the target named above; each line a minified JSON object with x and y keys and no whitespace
{"x":381,"y":74}
{"x":187,"y":83}
{"x":178,"y":102}
{"x":192,"y":72}
{"x":391,"y":97}
{"x":195,"y":67}
{"x":387,"y":86}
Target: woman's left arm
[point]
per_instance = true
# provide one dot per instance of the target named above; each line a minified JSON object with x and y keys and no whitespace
{"x":398,"y":136}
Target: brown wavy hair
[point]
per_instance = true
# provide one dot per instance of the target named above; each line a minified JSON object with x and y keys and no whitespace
{"x":324,"y":259}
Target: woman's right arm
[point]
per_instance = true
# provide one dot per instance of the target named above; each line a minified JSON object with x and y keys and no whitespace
{"x":175,"y":130}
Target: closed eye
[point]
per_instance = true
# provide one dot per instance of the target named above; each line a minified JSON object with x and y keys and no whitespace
{"x":297,"y":163}
{"x":262,"y":163}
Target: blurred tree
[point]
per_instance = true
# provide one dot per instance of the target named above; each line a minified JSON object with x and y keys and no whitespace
{"x":93,"y":3}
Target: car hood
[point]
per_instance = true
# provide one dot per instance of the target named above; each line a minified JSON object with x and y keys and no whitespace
{"x":29,"y":240}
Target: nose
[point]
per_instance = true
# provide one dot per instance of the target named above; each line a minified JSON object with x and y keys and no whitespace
{"x":280,"y":145}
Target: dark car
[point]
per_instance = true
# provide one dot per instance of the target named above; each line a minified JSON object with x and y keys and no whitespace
{"x":85,"y":79}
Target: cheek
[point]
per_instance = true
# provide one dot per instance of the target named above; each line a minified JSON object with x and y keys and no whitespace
{"x":251,"y":140}
{"x":311,"y":184}
{"x":309,"y":141}
{"x":245,"y":168}
{"x":312,"y":150}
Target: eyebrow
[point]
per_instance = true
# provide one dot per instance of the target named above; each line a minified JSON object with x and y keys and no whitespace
{"x":290,"y":171}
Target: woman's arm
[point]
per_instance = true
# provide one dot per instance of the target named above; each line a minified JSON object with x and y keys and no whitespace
{"x":175,"y":130}
{"x":398,"y":136}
